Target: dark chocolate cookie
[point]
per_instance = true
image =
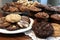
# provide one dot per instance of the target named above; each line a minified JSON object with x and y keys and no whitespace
{"x":42,"y":29}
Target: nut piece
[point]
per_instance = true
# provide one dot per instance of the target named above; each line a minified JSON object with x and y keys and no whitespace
{"x":42,"y":29}
{"x":13,"y":18}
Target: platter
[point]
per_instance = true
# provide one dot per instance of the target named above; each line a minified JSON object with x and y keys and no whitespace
{"x":4,"y":31}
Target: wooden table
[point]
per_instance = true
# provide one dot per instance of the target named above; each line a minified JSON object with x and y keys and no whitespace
{"x":12,"y":37}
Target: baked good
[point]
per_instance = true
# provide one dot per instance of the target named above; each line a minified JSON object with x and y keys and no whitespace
{"x":56,"y":8}
{"x":22,"y":1}
{"x":42,"y":29}
{"x":56,"y":29}
{"x":13,"y":18}
{"x":41,"y":15}
{"x":33,"y":8}
{"x":46,"y":7}
{"x":14,"y":21}
{"x":24,"y":22}
{"x":20,"y":6}
{"x":55,"y":16}
{"x":23,"y":8}
{"x":5,"y":7}
{"x":13,"y":9}
{"x":3,"y":23}
{"x":12,"y":27}
{"x":25,"y":18}
{"x":35,"y":3}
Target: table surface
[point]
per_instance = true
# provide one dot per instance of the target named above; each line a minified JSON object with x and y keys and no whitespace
{"x":11,"y":37}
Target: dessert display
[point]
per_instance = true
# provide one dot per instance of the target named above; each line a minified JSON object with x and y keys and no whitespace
{"x":14,"y":22}
{"x":42,"y":29}
{"x":20,"y":7}
{"x":46,"y":18}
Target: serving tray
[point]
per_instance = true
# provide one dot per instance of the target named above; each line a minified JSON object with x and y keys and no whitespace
{"x":4,"y":31}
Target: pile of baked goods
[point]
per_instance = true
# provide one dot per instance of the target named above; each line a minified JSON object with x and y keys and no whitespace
{"x":46,"y":22}
{"x":46,"y":18}
{"x":20,"y":7}
{"x":14,"y":21}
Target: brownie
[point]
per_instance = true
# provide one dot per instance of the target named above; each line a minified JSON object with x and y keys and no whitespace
{"x":42,"y":29}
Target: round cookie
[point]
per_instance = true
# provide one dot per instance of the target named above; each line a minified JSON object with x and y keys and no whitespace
{"x":42,"y":29}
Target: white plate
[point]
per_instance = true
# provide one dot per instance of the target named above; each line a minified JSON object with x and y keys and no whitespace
{"x":4,"y":31}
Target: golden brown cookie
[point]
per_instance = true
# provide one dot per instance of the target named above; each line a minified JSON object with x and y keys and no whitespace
{"x":42,"y":15}
{"x":56,"y":29}
{"x":13,"y":18}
